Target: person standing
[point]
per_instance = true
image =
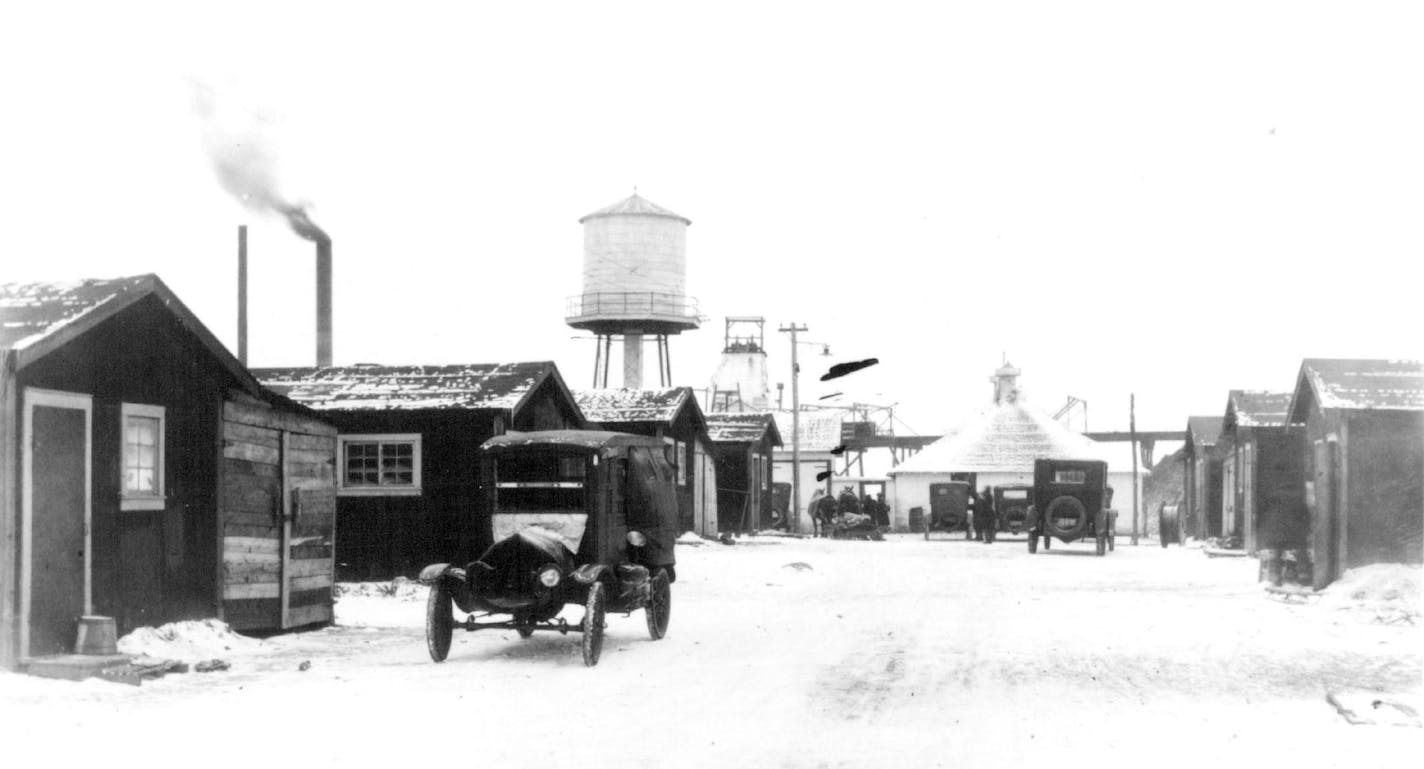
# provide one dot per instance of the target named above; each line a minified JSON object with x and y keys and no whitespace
{"x":972,"y":513}
{"x":986,"y":517}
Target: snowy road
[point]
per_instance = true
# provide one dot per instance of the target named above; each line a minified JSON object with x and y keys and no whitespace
{"x":902,"y":653}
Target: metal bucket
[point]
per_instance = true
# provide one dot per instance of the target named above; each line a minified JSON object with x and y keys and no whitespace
{"x":97,"y":636}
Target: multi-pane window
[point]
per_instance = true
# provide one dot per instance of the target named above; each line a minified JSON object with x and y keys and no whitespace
{"x":680,"y":452}
{"x":142,"y":457}
{"x":380,"y":464}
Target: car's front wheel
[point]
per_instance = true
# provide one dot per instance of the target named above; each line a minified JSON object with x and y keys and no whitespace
{"x":659,"y":608}
{"x":439,"y":621}
{"x":592,"y":625}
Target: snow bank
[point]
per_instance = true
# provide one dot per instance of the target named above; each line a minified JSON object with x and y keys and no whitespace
{"x":691,"y":538}
{"x":1382,"y":593}
{"x":188,"y":640}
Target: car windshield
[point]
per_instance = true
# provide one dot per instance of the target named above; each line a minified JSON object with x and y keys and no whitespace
{"x":544,"y":489}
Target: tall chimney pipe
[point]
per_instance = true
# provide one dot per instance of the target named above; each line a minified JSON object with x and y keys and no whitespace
{"x":242,"y":294}
{"x":323,"y":301}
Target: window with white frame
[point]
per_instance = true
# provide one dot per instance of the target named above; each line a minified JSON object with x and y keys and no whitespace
{"x":141,"y":485}
{"x":680,"y":451}
{"x":384,"y":464}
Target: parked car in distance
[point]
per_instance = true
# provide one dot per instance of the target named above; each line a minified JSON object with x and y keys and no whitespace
{"x":949,"y":509}
{"x":1012,"y":501}
{"x":579,"y":517}
{"x":1071,"y":499}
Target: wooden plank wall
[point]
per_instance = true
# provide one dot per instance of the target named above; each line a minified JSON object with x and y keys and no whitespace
{"x":9,"y":512}
{"x":278,"y":513}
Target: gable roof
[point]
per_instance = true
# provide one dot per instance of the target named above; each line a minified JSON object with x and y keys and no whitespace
{"x":741,"y":427}
{"x":1005,"y":437}
{"x":408,"y":388}
{"x":819,"y":430}
{"x":635,"y":205}
{"x":1255,"y":408}
{"x":1357,"y":384}
{"x":38,"y":318}
{"x":1203,"y":431}
{"x":624,"y":406}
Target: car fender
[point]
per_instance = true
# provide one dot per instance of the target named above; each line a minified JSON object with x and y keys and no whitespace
{"x":432,"y":573}
{"x":589,"y":573}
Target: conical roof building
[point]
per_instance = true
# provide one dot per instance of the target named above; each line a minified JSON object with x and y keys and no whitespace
{"x":998,"y":446}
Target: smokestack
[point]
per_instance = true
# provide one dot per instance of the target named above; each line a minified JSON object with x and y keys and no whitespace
{"x":242,"y":294}
{"x":323,"y":302}
{"x":307,"y":229}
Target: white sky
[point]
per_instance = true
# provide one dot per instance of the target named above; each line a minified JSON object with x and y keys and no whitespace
{"x":1121,"y":198}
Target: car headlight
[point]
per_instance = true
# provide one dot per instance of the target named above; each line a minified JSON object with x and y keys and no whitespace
{"x":636,"y":539}
{"x":549,"y":576}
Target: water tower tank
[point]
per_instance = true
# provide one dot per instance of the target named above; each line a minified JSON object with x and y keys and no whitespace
{"x":634,"y":271}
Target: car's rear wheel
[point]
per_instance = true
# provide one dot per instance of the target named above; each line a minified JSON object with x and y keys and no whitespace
{"x":592,"y":625}
{"x":659,"y":608}
{"x":1032,"y":542}
{"x":1102,"y":540}
{"x":439,"y":621}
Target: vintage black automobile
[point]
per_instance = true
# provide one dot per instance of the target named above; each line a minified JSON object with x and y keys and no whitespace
{"x":578,"y":517}
{"x":1071,"y":499}
{"x":1012,"y":501}
{"x":949,"y":509}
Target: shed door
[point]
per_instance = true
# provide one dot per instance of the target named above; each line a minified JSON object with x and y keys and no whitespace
{"x":55,"y":571}
{"x":1324,"y":528}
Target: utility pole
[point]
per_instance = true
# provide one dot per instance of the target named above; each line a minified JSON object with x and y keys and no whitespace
{"x":794,"y":524}
{"x":1132,"y":434}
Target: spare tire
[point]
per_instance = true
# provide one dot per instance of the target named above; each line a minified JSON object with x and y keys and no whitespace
{"x":1015,"y":518}
{"x":1065,"y":518}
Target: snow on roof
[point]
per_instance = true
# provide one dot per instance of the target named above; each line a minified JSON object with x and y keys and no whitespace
{"x":739,"y":427}
{"x":624,"y":405}
{"x":367,"y":387}
{"x":1363,"y":384}
{"x":819,"y":430}
{"x":30,"y":312}
{"x":1257,"y":408}
{"x":1203,"y":431}
{"x":1005,"y":437}
{"x":635,"y":205}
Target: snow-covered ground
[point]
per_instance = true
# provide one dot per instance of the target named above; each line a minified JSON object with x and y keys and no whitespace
{"x":795,"y":653}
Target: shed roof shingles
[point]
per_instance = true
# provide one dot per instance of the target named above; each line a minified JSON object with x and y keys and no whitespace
{"x":624,"y":405}
{"x":31,"y":311}
{"x":1366,"y":384}
{"x":352,"y":388}
{"x":1259,"y":408}
{"x":737,"y":427}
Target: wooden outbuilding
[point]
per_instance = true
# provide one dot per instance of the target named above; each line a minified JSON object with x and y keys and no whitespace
{"x":1263,"y":497}
{"x":145,"y":474}
{"x":407,"y":484}
{"x":1203,"y":477}
{"x":673,"y":414}
{"x":742,"y":444}
{"x":1364,"y":460}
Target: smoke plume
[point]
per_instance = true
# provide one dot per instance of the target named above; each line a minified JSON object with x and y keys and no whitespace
{"x":245,"y":159}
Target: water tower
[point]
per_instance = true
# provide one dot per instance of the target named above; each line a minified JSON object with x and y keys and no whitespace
{"x":634,"y":285}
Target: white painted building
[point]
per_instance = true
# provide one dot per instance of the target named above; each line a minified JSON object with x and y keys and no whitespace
{"x":998,"y":446}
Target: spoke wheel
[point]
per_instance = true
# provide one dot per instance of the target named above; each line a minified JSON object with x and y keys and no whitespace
{"x":439,"y":621}
{"x":592,"y":625}
{"x":659,"y":608}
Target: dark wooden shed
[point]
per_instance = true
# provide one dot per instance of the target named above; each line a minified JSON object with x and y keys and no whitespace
{"x":742,"y":444}
{"x":1203,"y":477}
{"x":674,"y":414}
{"x":1264,"y":472}
{"x":1364,"y":461}
{"x":146,"y":475}
{"x":408,"y":491}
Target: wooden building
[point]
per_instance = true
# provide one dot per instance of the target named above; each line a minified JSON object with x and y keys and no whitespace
{"x":672,"y":414}
{"x":742,"y":445}
{"x":408,"y":491}
{"x":1202,"y":499}
{"x":1364,"y":460}
{"x":1263,"y":496}
{"x":146,"y":475}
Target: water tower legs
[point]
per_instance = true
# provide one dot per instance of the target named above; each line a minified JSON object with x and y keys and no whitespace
{"x":632,"y":360}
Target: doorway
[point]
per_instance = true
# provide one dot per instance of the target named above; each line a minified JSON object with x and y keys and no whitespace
{"x":56,"y":467}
